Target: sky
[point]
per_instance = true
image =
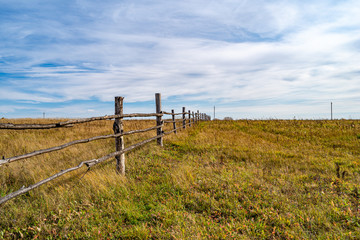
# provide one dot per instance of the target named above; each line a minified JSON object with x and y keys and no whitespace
{"x":255,"y":59}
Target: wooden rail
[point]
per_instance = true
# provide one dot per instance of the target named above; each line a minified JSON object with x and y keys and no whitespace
{"x":119,"y":154}
{"x":75,"y":121}
{"x":172,"y":113}
{"x":52,"y":149}
{"x":88,"y":163}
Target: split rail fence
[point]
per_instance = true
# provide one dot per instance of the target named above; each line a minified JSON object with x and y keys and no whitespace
{"x":188,"y":119}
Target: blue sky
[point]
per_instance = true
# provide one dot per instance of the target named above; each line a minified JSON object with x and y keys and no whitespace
{"x":252,"y":59}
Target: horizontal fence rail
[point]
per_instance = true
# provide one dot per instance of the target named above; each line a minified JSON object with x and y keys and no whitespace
{"x":43,"y":151}
{"x":88,"y":163}
{"x":76,"y":121}
{"x":188,"y":119}
{"x":167,"y":113}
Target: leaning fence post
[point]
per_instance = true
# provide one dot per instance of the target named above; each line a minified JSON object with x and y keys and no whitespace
{"x":184,"y":121}
{"x":173,"y":119}
{"x":189,"y":118}
{"x":119,"y":141}
{"x":158,"y":118}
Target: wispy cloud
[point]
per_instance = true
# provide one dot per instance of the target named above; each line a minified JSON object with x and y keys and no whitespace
{"x":288,"y":55}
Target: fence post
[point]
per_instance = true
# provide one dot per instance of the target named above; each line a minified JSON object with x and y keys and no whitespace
{"x":193,"y":117}
{"x":119,"y":141}
{"x":184,"y":121}
{"x":173,"y":119}
{"x":158,"y":118}
{"x":189,"y":118}
{"x":198,"y":116}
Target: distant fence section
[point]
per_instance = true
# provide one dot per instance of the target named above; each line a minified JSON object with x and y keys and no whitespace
{"x":188,"y":119}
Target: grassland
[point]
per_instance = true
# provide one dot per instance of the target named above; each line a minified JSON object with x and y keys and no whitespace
{"x":276,"y":179}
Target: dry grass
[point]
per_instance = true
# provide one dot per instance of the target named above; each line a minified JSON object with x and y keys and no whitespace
{"x":220,"y":180}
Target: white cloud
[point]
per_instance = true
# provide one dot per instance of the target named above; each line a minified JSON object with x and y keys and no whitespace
{"x":205,"y":51}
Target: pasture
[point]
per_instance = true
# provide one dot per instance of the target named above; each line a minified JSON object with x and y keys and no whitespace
{"x":269,"y":179}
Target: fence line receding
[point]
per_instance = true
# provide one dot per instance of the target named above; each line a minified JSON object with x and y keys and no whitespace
{"x":188,"y":119}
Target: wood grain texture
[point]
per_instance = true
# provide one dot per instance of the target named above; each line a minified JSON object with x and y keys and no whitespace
{"x":158,"y":118}
{"x":173,"y":120}
{"x":119,"y":141}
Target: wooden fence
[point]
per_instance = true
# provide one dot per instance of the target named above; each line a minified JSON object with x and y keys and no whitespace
{"x":188,"y":119}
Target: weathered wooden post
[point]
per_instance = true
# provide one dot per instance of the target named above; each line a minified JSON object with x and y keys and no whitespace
{"x":183,"y":116}
{"x":119,"y":141}
{"x":331,"y":111}
{"x":193,"y":117}
{"x":173,"y":119}
{"x":189,"y":118}
{"x":158,"y":118}
{"x":198,"y":115}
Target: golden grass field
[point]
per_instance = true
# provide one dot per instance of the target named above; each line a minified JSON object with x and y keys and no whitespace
{"x":246,"y":179}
